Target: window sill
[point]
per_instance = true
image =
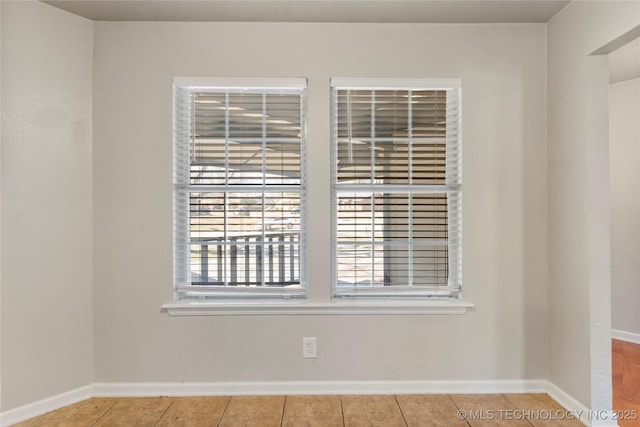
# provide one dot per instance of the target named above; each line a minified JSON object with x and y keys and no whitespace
{"x":349,"y":307}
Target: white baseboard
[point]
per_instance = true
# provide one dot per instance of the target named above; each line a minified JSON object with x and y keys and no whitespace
{"x":567,"y":401}
{"x":317,"y":387}
{"x":625,"y":336}
{"x":584,"y":414}
{"x":43,"y":406}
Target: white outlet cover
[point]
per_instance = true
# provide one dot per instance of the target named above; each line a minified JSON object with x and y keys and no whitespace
{"x":309,"y":347}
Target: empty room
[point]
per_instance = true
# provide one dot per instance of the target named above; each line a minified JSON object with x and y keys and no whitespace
{"x":318,"y":212}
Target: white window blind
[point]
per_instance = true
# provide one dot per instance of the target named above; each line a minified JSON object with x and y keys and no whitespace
{"x":396,"y":148}
{"x":239,"y":187}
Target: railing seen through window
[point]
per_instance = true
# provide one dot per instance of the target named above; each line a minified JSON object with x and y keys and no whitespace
{"x":239,"y":187}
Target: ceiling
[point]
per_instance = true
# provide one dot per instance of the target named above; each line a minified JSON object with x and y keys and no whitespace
{"x":381,"y":11}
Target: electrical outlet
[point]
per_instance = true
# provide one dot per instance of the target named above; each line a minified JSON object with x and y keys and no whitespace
{"x":309,"y":348}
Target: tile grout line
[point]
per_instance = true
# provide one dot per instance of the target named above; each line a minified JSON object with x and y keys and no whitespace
{"x":165,"y":411}
{"x":284,"y":406}
{"x":514,"y":407}
{"x":105,"y":412}
{"x":466,"y":420}
{"x":224,"y":411}
{"x":395,"y":397}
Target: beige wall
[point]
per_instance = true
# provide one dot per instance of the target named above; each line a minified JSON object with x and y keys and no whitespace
{"x":1,"y":133}
{"x":624,"y":62}
{"x":47,"y":194}
{"x":624,"y":140}
{"x":47,"y":321}
{"x":502,"y":68}
{"x":579,"y":255}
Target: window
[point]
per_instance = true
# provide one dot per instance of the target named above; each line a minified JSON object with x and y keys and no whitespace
{"x":396,"y":187}
{"x":239,"y":188}
{"x":240,"y":191}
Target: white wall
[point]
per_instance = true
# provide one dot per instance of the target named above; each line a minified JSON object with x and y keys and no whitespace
{"x":1,"y":133}
{"x":624,"y":63}
{"x":47,"y":321}
{"x":503,"y":72}
{"x":579,"y":255}
{"x":624,"y":161}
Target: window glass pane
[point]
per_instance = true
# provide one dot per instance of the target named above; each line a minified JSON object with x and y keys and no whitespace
{"x":373,"y":237}
{"x":390,"y":138}
{"x":282,"y":162}
{"x":206,"y":263}
{"x":283,"y":116}
{"x":207,"y":215}
{"x":354,"y":264}
{"x":429,"y":216}
{"x":396,"y":177}
{"x":238,"y":188}
{"x":245,"y":163}
{"x":247,"y":260}
{"x":245,"y":117}
{"x":430,"y":264}
{"x":401,"y":131}
{"x":392,"y":216}
{"x":428,"y":162}
{"x":208,"y":139}
{"x":392,"y":161}
{"x":353,"y":130}
{"x":396,"y":265}
{"x":354,"y":217}
{"x":282,"y":213}
{"x":261,"y":128}
{"x":245,"y":145}
{"x":241,"y":238}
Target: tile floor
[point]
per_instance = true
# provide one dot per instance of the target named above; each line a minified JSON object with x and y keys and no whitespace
{"x":438,"y":410}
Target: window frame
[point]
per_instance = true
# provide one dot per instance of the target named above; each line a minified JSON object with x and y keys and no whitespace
{"x":318,"y":298}
{"x":452,"y":187}
{"x":185,"y":291}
